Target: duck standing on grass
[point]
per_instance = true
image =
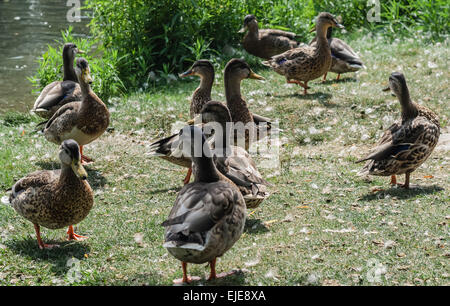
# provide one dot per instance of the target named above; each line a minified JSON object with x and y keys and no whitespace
{"x":266,"y":43}
{"x":209,"y":214}
{"x":405,"y":145}
{"x":84,"y":122}
{"x":55,"y":198}
{"x":58,"y":93}
{"x":343,"y":58}
{"x":306,"y":63}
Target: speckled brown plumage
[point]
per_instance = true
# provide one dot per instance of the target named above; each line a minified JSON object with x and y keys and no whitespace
{"x":55,"y":199}
{"x":306,"y":63}
{"x":343,"y":58}
{"x":84,"y":122}
{"x":266,"y":43}
{"x":406,"y":144}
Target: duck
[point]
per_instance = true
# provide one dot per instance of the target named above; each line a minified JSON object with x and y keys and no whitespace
{"x":343,"y":58}
{"x":406,"y":144}
{"x":202,"y":95}
{"x":205,"y":70}
{"x":208,"y":215}
{"x":305,"y":63}
{"x":251,"y":127}
{"x":266,"y":43}
{"x":55,"y":198}
{"x":59,"y":93}
{"x":84,"y":122}
{"x":232,"y":161}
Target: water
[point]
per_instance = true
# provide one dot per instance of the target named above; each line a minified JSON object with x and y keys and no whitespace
{"x":26,"y":28}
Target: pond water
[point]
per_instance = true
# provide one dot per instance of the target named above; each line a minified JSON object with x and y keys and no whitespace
{"x":26,"y":28}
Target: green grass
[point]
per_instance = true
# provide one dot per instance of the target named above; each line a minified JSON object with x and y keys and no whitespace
{"x":322,"y":224}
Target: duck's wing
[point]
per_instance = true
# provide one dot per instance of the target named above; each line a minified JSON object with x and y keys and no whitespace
{"x":197,"y":209}
{"x":397,"y":139}
{"x":35,"y":179}
{"x":54,"y":93}
{"x":344,"y":52}
{"x":275,"y":32}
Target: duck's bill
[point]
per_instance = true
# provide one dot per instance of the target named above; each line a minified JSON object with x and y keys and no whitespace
{"x":242,"y":30}
{"x":186,"y":73}
{"x":386,"y":89}
{"x":80,"y":51}
{"x":86,"y":76}
{"x":255,"y":76}
{"x":79,"y":170}
{"x":340,"y":26}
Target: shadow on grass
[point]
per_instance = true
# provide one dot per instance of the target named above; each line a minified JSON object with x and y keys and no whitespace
{"x":95,"y":178}
{"x":235,"y":279}
{"x":255,"y":226}
{"x":330,"y":81}
{"x":321,"y":96}
{"x":57,"y":257}
{"x":401,"y":193}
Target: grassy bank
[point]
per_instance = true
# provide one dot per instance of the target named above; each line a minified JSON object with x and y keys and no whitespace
{"x":322,"y":225}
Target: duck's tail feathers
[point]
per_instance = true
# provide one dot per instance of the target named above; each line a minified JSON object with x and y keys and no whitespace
{"x":162,"y":147}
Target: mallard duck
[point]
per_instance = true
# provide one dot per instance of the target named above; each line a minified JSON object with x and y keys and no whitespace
{"x":343,"y":58}
{"x":205,"y":70}
{"x":306,"y":63}
{"x":209,"y":214}
{"x":405,"y":145}
{"x":84,"y":122}
{"x":232,"y":161}
{"x":58,"y":93}
{"x":267,"y":42}
{"x":55,"y":198}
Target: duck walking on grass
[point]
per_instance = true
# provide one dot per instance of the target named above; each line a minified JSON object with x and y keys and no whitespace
{"x":343,"y":58}
{"x":58,"y":93}
{"x":55,"y":199}
{"x":306,"y":63}
{"x":209,"y":214}
{"x":84,"y":122}
{"x":406,"y":144}
{"x":265,"y":43}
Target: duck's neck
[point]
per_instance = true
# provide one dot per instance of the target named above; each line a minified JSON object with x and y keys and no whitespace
{"x":233,"y":96}
{"x":205,"y":87}
{"x":205,"y":170}
{"x":67,"y":177}
{"x":222,"y":146}
{"x":321,"y":37}
{"x":253,"y":30}
{"x":69,"y":72}
{"x":329,"y":32}
{"x":409,"y":108}
{"x":85,"y":89}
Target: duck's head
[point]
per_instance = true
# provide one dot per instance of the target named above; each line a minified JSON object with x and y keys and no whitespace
{"x":83,"y":71}
{"x":71,"y":50}
{"x":201,"y":68}
{"x":328,"y":20}
{"x":249,"y":22}
{"x":70,"y":156}
{"x":215,"y":111}
{"x":397,"y":84}
{"x":238,"y":68}
{"x":191,"y":143}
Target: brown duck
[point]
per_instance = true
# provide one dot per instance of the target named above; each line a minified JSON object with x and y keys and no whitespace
{"x":343,"y":58}
{"x":306,"y":63}
{"x":267,"y":42}
{"x":406,"y":144}
{"x":55,"y":198}
{"x":84,"y":122}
